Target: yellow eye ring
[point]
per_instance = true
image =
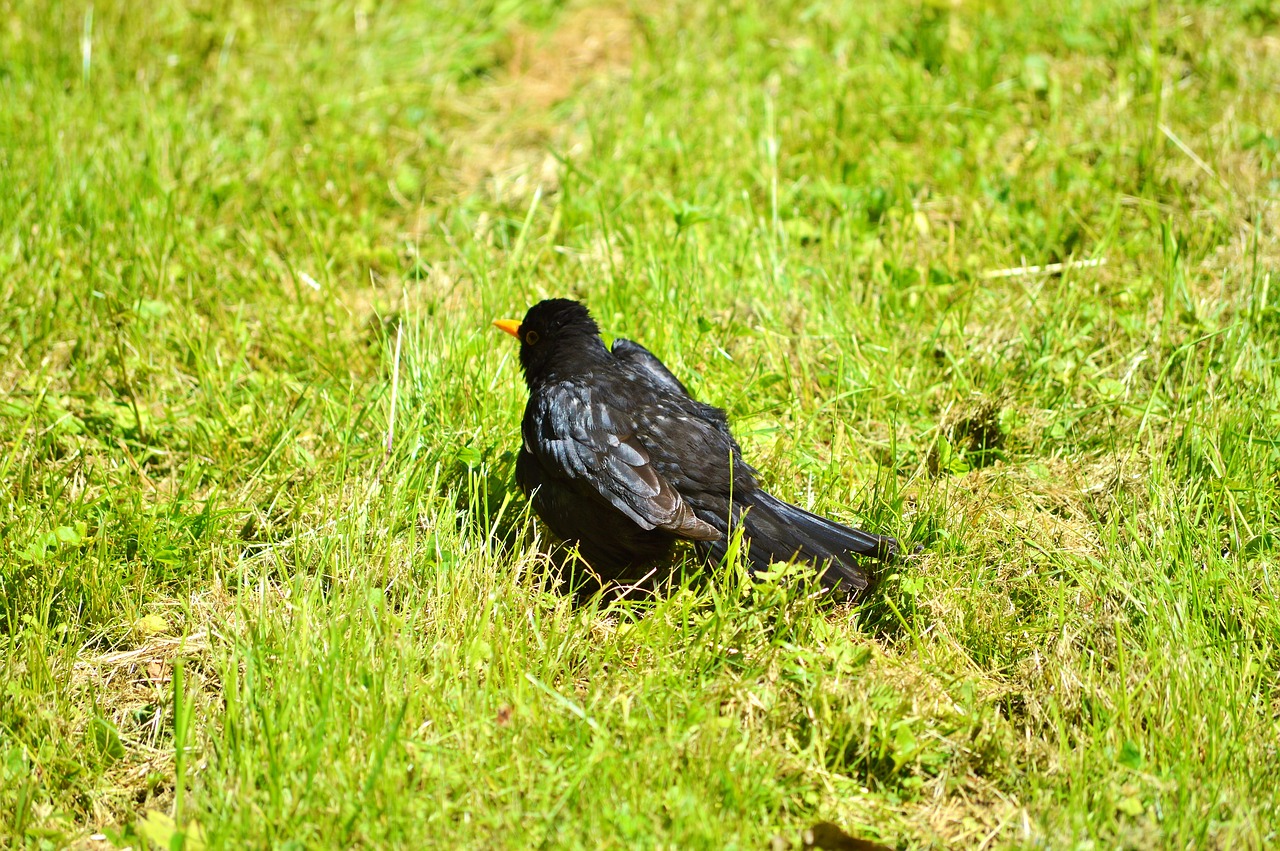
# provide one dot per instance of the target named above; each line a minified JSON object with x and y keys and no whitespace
{"x":531,"y":338}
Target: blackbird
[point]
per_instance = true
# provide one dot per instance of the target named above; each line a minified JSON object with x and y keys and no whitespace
{"x":618,"y":459}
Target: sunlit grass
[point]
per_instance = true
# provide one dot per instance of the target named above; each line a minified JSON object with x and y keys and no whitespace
{"x":228,"y":611}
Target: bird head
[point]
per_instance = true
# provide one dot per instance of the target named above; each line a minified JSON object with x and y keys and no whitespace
{"x":555,"y":334}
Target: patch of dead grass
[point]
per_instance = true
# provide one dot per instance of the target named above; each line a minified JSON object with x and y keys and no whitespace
{"x":507,"y":152}
{"x":590,"y":42}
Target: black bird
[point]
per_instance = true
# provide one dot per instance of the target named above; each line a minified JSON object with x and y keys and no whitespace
{"x":619,"y":460}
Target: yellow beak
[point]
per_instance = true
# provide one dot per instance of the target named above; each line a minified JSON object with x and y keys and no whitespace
{"x":511,"y":326}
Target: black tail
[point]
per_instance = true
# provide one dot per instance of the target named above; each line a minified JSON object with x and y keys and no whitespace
{"x":776,"y":531}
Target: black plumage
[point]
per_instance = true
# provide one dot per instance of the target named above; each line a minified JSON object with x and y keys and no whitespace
{"x":619,"y":460}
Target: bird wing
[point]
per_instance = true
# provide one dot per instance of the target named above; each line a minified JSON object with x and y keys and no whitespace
{"x":647,"y":364}
{"x":655,"y":372}
{"x":594,"y":444}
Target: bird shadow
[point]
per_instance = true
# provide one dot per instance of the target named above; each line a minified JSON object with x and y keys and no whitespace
{"x":487,"y":501}
{"x":887,"y":613}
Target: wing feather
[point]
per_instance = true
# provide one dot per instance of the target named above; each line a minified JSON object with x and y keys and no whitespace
{"x":595,"y":445}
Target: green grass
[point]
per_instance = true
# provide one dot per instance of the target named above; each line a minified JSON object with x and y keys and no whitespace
{"x":228,"y":614}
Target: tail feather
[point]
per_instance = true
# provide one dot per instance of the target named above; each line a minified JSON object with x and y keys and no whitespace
{"x":776,"y":531}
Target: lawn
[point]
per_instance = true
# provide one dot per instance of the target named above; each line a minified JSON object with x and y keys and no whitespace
{"x":999,"y":278}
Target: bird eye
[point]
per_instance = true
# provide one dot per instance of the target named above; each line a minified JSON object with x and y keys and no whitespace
{"x":531,"y":337}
